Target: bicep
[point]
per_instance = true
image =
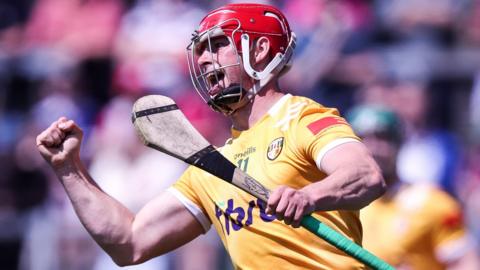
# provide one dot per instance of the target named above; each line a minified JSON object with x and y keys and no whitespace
{"x":162,"y":225}
{"x":353,"y":175}
{"x":352,"y":155}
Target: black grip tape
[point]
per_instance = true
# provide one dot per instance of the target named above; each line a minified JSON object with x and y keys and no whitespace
{"x":155,"y":110}
{"x":210,"y":160}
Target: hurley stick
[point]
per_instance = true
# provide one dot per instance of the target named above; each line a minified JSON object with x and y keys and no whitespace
{"x":162,"y":126}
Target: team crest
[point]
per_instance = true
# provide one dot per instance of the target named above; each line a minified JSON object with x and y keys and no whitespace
{"x":275,"y":148}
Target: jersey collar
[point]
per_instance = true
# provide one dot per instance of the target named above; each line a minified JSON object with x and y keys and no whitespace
{"x":276,"y":107}
{"x":271,"y":112}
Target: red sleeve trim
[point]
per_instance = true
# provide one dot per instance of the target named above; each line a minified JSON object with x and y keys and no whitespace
{"x":321,"y":124}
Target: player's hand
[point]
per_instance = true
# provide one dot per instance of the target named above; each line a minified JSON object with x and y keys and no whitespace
{"x":60,"y":142}
{"x":290,"y":205}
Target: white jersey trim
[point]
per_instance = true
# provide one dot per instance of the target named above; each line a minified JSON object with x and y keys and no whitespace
{"x":329,"y":147}
{"x":192,"y":207}
{"x":455,"y":249}
{"x":276,"y":107}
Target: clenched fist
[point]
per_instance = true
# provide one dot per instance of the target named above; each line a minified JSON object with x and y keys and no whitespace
{"x":60,"y":142}
{"x":290,"y":205}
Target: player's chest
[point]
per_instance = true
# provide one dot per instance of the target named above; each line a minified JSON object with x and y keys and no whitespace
{"x":263,"y":156}
{"x":267,"y":156}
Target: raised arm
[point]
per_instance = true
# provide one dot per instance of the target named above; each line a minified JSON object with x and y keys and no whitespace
{"x":160,"y":226}
{"x":354,"y":180}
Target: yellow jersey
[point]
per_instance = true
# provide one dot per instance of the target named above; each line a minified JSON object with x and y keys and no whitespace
{"x":285,"y":147}
{"x":416,"y":227}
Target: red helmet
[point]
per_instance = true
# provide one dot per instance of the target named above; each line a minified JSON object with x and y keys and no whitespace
{"x":256,"y":20}
{"x":242,"y":24}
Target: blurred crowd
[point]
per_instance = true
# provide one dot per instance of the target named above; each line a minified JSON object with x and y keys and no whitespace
{"x":90,"y":60}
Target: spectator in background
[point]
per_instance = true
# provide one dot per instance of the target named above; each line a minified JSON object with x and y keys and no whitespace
{"x":468,"y":182}
{"x":23,"y":187}
{"x":76,"y":35}
{"x":79,"y":28}
{"x":329,"y":31}
{"x":430,"y":152}
{"x":149,"y":47}
{"x":412,"y":226}
{"x":469,"y":190}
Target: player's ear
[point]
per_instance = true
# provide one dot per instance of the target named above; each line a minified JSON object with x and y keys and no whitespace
{"x":261,"y":50}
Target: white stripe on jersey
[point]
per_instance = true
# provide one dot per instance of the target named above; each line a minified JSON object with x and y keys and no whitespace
{"x":192,"y":207}
{"x":292,"y":112}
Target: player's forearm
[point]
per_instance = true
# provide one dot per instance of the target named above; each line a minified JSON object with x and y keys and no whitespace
{"x":349,"y":188}
{"x":106,"y":220}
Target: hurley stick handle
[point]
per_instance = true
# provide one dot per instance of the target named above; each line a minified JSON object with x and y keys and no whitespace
{"x":250,"y":185}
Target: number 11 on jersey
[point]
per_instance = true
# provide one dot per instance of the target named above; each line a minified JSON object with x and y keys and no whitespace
{"x":243,"y":164}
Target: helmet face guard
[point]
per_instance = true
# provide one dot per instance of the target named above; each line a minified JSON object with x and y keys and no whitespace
{"x":241,"y":24}
{"x":203,"y":80}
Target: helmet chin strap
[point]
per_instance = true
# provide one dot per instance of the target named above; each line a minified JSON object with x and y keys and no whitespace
{"x":229,"y":99}
{"x":263,"y":77}
{"x":235,"y":97}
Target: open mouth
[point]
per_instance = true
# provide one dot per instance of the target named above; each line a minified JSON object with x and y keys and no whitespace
{"x":214,"y":78}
